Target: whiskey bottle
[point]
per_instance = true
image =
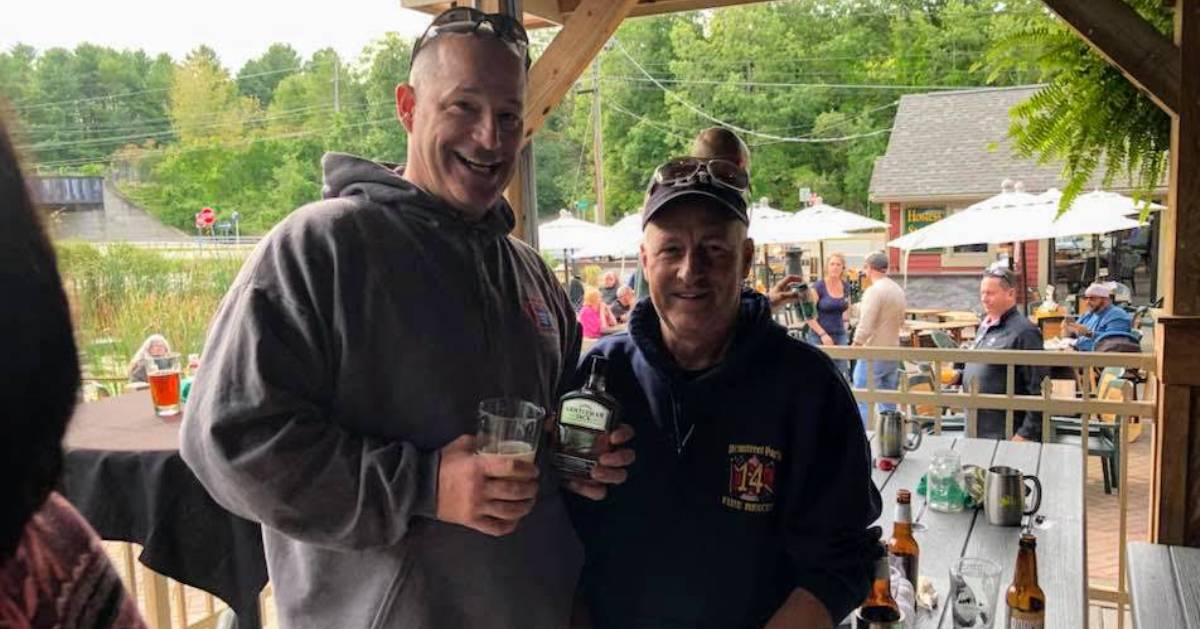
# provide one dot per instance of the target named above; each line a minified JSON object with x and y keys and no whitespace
{"x":585,"y":419}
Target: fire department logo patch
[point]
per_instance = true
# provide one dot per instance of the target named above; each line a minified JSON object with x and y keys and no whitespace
{"x":751,"y":478}
{"x":540,"y":314}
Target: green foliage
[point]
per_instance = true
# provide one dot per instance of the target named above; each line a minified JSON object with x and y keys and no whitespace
{"x":1087,"y":114}
{"x":811,"y":84}
{"x":121,"y":294}
{"x":260,"y":76}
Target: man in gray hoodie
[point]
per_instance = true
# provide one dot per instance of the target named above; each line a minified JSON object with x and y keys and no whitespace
{"x":338,"y":399}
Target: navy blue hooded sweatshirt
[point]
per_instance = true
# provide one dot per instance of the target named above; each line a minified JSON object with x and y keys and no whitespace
{"x":752,"y":479}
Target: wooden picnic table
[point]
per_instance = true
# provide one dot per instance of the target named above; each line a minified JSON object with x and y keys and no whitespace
{"x":923,"y":313}
{"x":955,"y":328}
{"x":958,"y":315}
{"x":1164,"y":585}
{"x":948,"y":536}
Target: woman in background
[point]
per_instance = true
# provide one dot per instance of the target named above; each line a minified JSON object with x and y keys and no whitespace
{"x":831,"y":298}
{"x":53,"y":571}
{"x":595,"y":317}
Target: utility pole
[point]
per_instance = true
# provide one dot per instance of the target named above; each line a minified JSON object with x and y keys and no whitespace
{"x":598,"y":143}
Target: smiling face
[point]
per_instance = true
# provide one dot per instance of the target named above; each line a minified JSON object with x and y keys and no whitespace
{"x":464,"y":116}
{"x":695,"y":256}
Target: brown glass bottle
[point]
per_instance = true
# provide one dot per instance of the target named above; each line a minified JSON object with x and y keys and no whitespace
{"x":1026,"y":601}
{"x":903,"y":550}
{"x":585,"y":418}
{"x":880,"y":606}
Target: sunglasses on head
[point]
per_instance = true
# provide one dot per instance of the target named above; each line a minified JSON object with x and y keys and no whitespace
{"x":475,"y":22}
{"x":686,"y":171}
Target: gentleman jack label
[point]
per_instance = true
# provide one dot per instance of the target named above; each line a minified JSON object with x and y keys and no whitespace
{"x":585,"y":419}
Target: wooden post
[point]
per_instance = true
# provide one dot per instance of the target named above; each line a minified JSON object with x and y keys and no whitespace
{"x":1175,"y":493}
{"x":1145,"y":56}
{"x":589,"y":26}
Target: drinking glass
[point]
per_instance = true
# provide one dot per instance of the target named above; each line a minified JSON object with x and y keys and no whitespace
{"x":162,"y":374}
{"x":974,"y":591}
{"x":509,"y":427}
{"x":944,"y":482}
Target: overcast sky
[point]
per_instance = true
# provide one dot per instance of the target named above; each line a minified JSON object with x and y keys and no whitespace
{"x":237,"y":29}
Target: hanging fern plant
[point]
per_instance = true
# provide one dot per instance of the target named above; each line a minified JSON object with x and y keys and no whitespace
{"x":1087,"y":113}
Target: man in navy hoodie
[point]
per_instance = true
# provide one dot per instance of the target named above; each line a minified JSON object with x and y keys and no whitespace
{"x":750,"y":501}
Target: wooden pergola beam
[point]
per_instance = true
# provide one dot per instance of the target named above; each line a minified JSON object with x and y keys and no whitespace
{"x":584,"y":34}
{"x":658,"y":7}
{"x":1145,"y":56}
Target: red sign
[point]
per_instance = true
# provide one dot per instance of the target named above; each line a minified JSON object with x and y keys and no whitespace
{"x":207,"y":215}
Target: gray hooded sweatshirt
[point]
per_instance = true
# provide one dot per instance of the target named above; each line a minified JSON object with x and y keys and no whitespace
{"x":357,"y":340}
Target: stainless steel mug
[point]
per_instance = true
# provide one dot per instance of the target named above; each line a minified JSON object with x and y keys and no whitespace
{"x":1004,"y":496}
{"x":894,"y":440}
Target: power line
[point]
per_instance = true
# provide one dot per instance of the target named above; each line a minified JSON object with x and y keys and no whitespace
{"x":41,"y":105}
{"x":663,"y":127}
{"x":172,"y":132}
{"x":845,"y":86}
{"x":222,"y":144}
{"x":729,"y":125}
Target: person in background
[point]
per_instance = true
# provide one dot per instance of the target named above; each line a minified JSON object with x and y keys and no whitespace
{"x":53,"y":570}
{"x":608,"y":288}
{"x":575,"y":291}
{"x":721,"y":143}
{"x":832,"y":301}
{"x":154,"y":345}
{"x":1102,"y":317}
{"x":621,"y":308}
{"x":880,"y":319}
{"x":1004,"y":327}
{"x":595,"y":317}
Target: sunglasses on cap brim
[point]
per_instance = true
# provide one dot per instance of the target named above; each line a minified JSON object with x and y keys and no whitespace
{"x":688,"y":171}
{"x":475,"y":22}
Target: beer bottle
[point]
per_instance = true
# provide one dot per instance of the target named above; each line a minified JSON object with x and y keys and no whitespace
{"x":880,"y":606}
{"x":903,"y":550}
{"x":585,"y":418}
{"x":1026,"y":601}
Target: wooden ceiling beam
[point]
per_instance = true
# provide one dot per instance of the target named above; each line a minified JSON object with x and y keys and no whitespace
{"x":580,"y":40}
{"x":1144,"y":55}
{"x":656,"y":7}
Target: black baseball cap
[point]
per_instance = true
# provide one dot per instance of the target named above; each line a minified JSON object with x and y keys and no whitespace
{"x":662,"y":195}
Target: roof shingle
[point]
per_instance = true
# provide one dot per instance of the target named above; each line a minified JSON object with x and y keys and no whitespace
{"x":956,"y":145}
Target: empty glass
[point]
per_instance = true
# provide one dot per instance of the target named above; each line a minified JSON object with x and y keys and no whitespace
{"x":944,"y":482}
{"x":974,"y":591}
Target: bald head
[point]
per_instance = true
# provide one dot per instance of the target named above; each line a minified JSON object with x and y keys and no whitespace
{"x":431,"y":56}
{"x":721,"y":143}
{"x":463,"y":109}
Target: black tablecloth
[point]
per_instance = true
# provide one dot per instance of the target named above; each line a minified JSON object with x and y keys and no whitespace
{"x":150,"y":497}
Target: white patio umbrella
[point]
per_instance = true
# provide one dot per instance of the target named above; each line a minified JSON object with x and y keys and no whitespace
{"x":622,"y":240}
{"x":1103,"y":200}
{"x":837,"y":218}
{"x":567,"y":234}
{"x":769,"y":226}
{"x":1016,"y":217}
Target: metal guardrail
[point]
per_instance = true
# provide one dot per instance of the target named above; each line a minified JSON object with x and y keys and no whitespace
{"x":1086,"y":406}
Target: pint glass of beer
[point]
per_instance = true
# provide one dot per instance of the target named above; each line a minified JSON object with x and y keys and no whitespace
{"x":162,"y":373}
{"x":509,"y":427}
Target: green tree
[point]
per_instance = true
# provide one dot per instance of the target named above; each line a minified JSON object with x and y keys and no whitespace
{"x":260,"y":76}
